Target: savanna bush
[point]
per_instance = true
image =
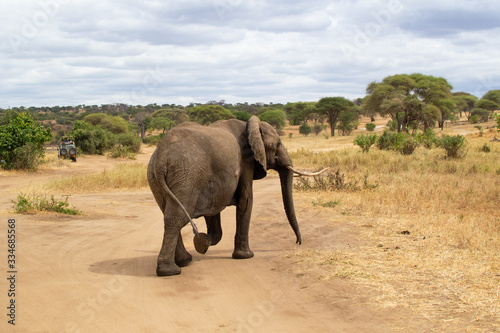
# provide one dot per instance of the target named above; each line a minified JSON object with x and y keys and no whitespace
{"x":31,"y":204}
{"x":408,"y":145}
{"x":389,"y":140}
{"x":485,"y":148}
{"x":27,"y":157}
{"x":474,"y":119}
{"x":91,"y":139}
{"x":333,"y":181}
{"x":428,"y":139}
{"x":317,"y":128}
{"x":454,"y":145}
{"x":401,"y":142}
{"x":482,"y":113}
{"x":392,"y":125}
{"x":130,"y":141}
{"x":305,"y":129}
{"x":21,"y":141}
{"x":365,"y":141}
{"x":370,"y":127}
{"x":152,"y":140}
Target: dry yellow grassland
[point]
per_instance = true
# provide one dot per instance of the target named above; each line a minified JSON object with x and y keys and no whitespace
{"x":432,"y":225}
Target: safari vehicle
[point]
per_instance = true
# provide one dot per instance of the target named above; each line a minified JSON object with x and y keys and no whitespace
{"x":67,"y":149}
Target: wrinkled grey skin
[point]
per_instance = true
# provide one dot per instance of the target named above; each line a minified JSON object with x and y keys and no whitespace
{"x":207,"y":168}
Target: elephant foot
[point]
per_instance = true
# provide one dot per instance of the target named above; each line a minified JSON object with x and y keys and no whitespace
{"x":201,"y":243}
{"x":184,"y":261}
{"x":242,"y":254}
{"x":165,"y":269}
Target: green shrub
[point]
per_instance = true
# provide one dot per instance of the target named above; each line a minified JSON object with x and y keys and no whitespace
{"x":475,"y":119}
{"x":455,"y":146}
{"x":485,"y":148}
{"x":317,"y":128}
{"x":408,"y":145}
{"x":482,"y":113}
{"x":152,"y":140}
{"x":27,"y":157}
{"x":130,"y":141}
{"x":370,"y":127}
{"x":428,"y":139}
{"x":401,"y":142}
{"x":305,"y":129}
{"x":91,"y":139}
{"x":389,"y":140}
{"x":347,"y":122}
{"x":365,"y":141}
{"x":392,"y":125}
{"x":21,"y":141}
{"x":31,"y":204}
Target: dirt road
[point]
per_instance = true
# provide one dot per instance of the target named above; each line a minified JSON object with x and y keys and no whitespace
{"x":96,"y":272}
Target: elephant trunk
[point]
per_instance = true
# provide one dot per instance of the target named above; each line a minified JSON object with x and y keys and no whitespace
{"x":286,"y":178}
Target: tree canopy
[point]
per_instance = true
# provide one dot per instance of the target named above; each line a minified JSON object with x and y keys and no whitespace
{"x":464,"y":102}
{"x":408,"y":99}
{"x":332,"y":107}
{"x":492,"y":95}
{"x":276,"y":118}
{"x":487,"y":104}
{"x":91,"y":139}
{"x":207,"y":114}
{"x":300,"y":112}
{"x":114,"y":124}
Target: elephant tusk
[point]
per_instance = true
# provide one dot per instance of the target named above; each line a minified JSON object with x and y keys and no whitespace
{"x":300,"y":173}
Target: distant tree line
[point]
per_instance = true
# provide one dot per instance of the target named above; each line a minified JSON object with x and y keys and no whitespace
{"x":412,"y":101}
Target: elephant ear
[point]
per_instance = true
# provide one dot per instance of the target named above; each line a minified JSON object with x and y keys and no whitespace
{"x":255,"y":141}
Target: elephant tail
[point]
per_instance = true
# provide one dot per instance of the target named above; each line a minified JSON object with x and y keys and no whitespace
{"x":163,"y":183}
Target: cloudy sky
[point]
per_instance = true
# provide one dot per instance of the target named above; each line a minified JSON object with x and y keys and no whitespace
{"x":71,"y":52}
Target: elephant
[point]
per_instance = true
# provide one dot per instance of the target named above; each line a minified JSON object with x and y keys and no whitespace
{"x":197,"y":171}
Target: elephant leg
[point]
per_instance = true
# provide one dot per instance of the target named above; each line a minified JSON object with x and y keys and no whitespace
{"x":214,"y":229}
{"x":166,"y":259}
{"x":182,"y":257}
{"x":243,"y":214}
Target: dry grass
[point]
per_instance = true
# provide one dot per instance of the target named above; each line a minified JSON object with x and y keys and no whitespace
{"x":125,"y":176}
{"x":432,"y":226}
{"x":51,"y":161}
{"x":315,"y":143}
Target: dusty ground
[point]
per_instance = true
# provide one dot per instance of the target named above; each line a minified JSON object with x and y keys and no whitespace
{"x":96,"y":272}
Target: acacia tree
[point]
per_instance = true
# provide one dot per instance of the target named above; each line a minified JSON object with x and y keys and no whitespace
{"x":175,"y":115}
{"x":300,"y":112}
{"x":492,"y":95}
{"x":464,"y":102}
{"x":142,"y":119}
{"x":161,"y":123}
{"x":207,"y":114}
{"x":407,"y":99}
{"x":347,"y":122}
{"x":114,"y":124}
{"x":331,"y":107}
{"x":487,"y":104}
{"x":275,"y":118}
